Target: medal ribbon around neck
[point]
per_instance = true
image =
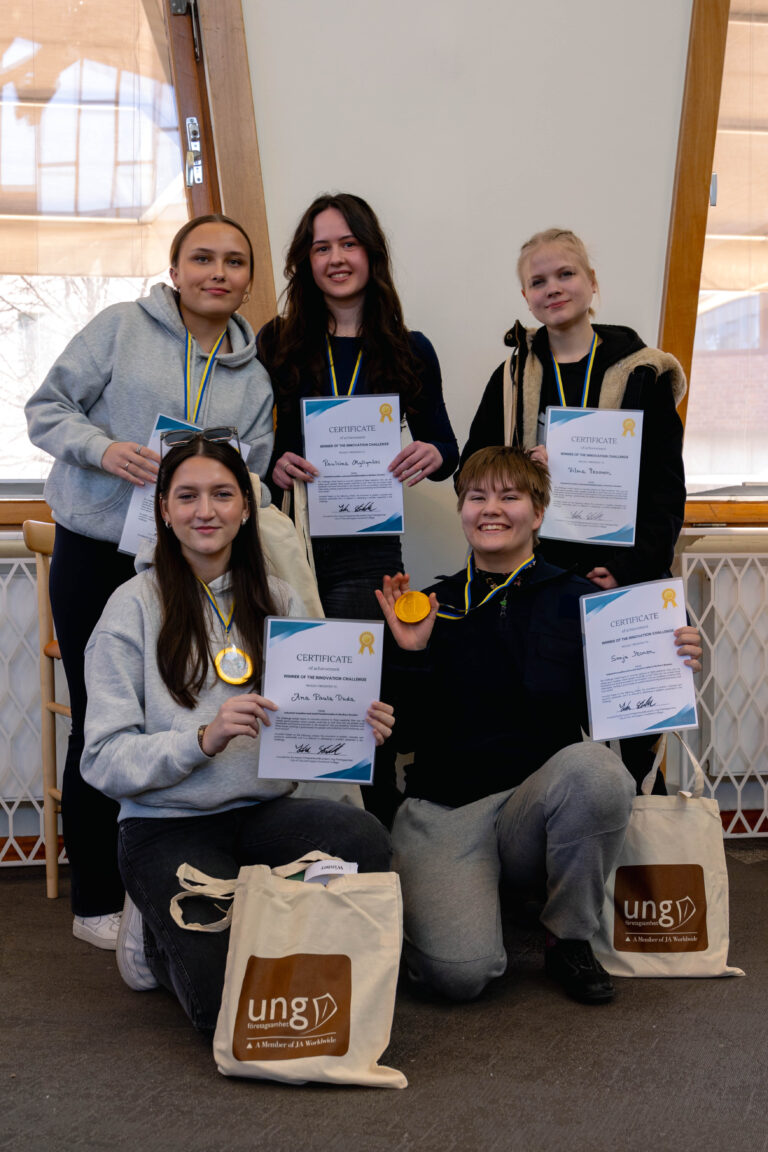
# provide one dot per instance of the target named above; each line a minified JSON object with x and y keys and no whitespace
{"x":192,"y":406}
{"x":233,"y":665}
{"x":587,"y":375}
{"x":332,"y":369}
{"x":449,"y":613}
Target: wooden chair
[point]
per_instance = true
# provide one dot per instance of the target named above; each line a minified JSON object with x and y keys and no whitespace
{"x":38,"y":538}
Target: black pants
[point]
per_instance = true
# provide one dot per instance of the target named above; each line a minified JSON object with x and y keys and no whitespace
{"x":349,"y":569}
{"x":84,"y":574}
{"x":638,"y":754}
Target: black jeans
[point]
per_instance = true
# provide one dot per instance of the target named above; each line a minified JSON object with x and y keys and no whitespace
{"x":192,"y":964}
{"x":349,"y":569}
{"x":84,"y":574}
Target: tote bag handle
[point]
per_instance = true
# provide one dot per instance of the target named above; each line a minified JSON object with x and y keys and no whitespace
{"x":699,"y":779}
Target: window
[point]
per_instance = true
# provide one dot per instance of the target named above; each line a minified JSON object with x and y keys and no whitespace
{"x":91,"y":183}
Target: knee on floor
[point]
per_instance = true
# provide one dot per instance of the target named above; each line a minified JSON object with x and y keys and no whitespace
{"x":456,"y":980}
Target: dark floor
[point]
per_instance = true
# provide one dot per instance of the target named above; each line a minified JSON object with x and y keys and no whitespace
{"x":671,"y":1066}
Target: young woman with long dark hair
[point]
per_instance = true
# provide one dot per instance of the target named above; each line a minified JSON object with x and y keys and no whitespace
{"x":342,"y":332}
{"x":174,"y":743}
{"x":182,"y":351}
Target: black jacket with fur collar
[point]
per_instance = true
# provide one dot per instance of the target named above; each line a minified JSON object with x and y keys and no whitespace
{"x":626,"y":374}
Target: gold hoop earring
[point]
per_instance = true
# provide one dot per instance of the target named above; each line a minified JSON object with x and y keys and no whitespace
{"x":246,"y":298}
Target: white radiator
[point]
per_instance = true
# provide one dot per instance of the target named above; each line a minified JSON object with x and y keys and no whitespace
{"x":726,"y":581}
{"x":21,"y":805}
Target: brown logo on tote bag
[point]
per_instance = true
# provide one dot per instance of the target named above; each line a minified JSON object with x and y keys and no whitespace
{"x":293,"y":1006}
{"x":660,"y":908}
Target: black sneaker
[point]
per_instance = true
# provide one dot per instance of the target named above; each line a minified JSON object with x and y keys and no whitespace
{"x":573,"y":964}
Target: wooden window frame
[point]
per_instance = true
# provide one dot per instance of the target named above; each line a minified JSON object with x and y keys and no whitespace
{"x":688,"y":226}
{"x":216,"y":89}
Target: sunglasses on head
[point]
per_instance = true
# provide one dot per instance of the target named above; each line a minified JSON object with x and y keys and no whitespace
{"x":178,"y":437}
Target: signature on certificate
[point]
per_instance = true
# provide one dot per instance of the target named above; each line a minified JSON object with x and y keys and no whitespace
{"x":577,"y":514}
{"x":366,"y":506}
{"x":304,"y":749}
{"x":645,"y":702}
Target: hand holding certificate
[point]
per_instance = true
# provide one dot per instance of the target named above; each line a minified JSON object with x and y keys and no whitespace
{"x":323,"y":675}
{"x":594,"y":461}
{"x":352,"y":440}
{"x":634,"y":639}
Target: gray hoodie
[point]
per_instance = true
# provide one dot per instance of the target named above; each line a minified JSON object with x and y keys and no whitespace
{"x":141,"y":747}
{"x":110,"y":383}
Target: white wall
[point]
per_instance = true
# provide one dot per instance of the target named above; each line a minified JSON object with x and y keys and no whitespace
{"x":469,"y":125}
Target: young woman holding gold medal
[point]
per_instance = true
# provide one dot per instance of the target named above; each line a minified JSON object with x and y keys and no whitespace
{"x":181,"y":351}
{"x":174,"y":714}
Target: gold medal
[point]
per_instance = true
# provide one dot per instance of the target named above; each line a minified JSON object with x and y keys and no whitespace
{"x":233,"y":665}
{"x":412,"y":607}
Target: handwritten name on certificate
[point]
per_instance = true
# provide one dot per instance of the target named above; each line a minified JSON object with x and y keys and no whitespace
{"x":594,"y":462}
{"x":636,"y":681}
{"x":323,"y":675}
{"x":352,"y":440}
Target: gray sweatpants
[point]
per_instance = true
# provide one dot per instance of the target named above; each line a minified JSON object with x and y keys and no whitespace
{"x":560,"y":831}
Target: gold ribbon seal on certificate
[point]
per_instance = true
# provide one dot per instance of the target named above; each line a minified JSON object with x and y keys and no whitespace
{"x":386,"y":413}
{"x":412,"y":607}
{"x":366,"y":641}
{"x":668,"y":597}
{"x":629,"y":427}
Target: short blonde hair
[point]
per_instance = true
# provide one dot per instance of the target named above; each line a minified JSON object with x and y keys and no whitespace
{"x":504,"y":466}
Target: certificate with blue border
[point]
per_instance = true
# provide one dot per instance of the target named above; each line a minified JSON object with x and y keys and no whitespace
{"x":352,"y":440}
{"x":323,"y":675}
{"x":594,"y":463}
{"x":636,"y":681}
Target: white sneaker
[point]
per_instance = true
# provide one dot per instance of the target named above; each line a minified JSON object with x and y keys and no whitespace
{"x":131,"y":957}
{"x":101,"y":931}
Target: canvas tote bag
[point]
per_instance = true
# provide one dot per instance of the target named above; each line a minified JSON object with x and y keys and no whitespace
{"x":309,"y":992}
{"x":666,"y":901}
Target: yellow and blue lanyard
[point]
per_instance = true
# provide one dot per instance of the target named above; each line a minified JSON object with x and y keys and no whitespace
{"x":192,"y":406}
{"x":450,"y":613}
{"x":332,"y":369}
{"x":225,"y":623}
{"x":587,"y":376}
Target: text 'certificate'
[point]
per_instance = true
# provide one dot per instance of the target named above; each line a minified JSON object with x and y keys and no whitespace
{"x":352,"y":440}
{"x":323,"y":675}
{"x":594,"y":462}
{"x":636,"y":681}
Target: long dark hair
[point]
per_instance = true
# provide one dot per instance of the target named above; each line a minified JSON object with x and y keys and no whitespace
{"x":183,"y":652}
{"x":294,"y":345}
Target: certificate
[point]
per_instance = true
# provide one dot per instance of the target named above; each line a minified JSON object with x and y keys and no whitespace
{"x":594,"y":462}
{"x":323,"y":675}
{"x":352,"y":440}
{"x":636,"y":681}
{"x":140,"y":518}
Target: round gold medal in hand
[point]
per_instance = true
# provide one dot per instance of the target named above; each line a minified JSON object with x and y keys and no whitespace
{"x":412,"y":607}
